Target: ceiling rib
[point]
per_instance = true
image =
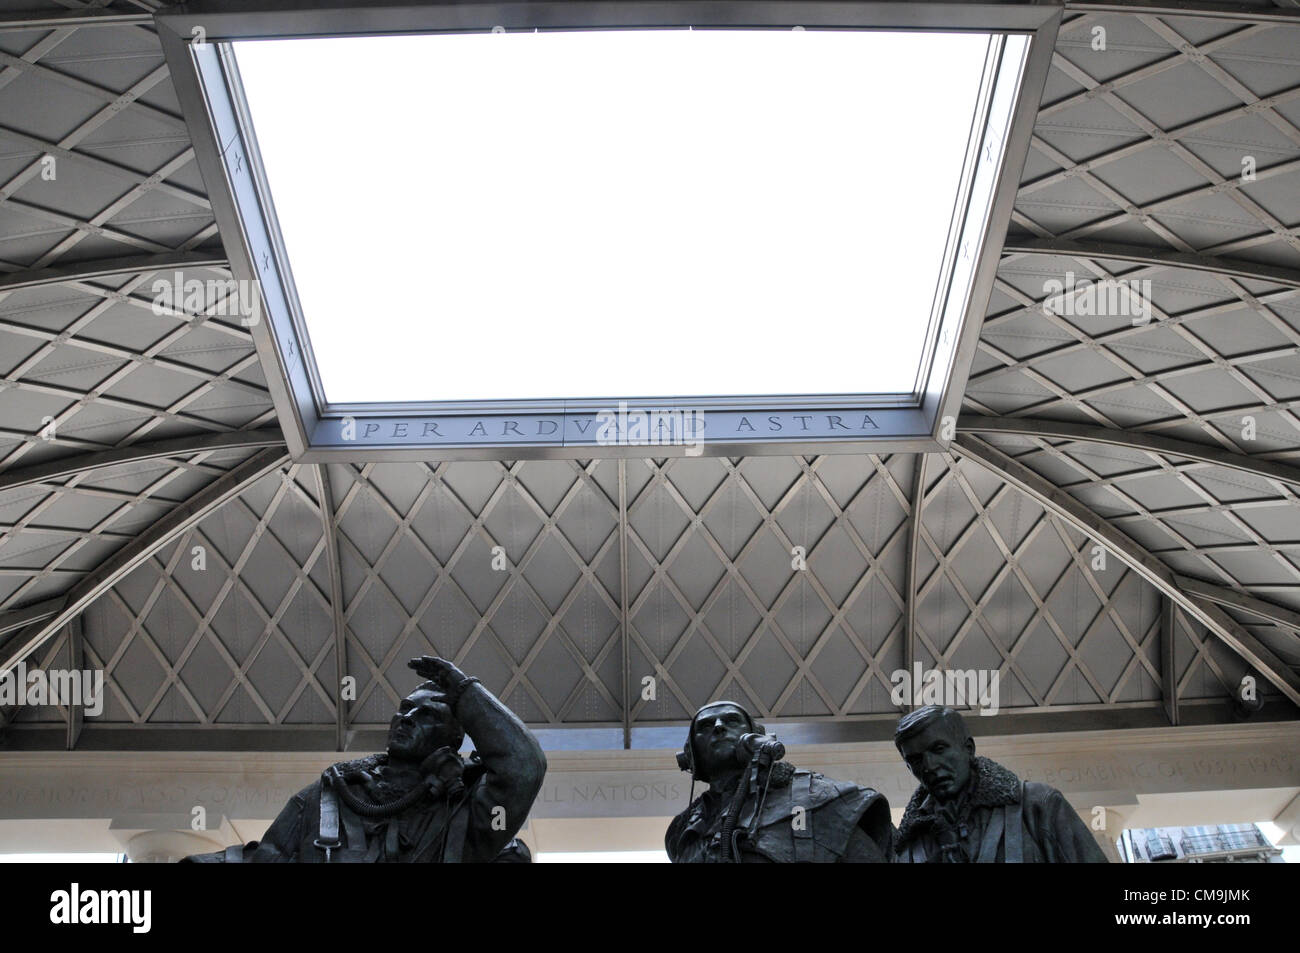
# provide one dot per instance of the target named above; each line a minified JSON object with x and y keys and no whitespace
{"x":1236,"y":599}
{"x":36,"y":612}
{"x":1147,"y":255}
{"x":79,"y":486}
{"x":622,"y":604}
{"x":76,"y":662}
{"x":101,"y":268}
{"x":23,"y":21}
{"x":913,"y":551}
{"x":1189,"y":8}
{"x":1148,"y":566}
{"x":1168,"y":669}
{"x":329,"y":526}
{"x":119,"y":564}
{"x":66,"y":467}
{"x":1130,"y":439}
{"x":1166,"y":519}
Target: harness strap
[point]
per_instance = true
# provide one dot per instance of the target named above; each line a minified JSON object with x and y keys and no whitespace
{"x":457,"y":828}
{"x":368,"y":851}
{"x":992,"y":834}
{"x":1015,"y":830}
{"x":803,"y":838}
{"x":329,"y":815}
{"x":328,"y":827}
{"x":391,"y":846}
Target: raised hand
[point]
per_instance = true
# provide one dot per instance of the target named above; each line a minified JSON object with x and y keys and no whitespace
{"x":444,"y":674}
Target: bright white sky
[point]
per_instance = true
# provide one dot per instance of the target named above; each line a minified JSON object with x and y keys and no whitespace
{"x":614,"y":213}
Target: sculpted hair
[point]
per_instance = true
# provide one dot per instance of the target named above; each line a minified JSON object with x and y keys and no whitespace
{"x":915,"y":722}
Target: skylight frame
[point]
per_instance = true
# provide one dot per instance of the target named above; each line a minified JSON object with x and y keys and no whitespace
{"x":196,"y":40}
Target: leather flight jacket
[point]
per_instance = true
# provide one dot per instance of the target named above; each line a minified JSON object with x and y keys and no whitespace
{"x":808,"y":819}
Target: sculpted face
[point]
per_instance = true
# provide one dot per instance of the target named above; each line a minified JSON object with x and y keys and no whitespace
{"x":423,"y":724}
{"x":717,"y":731}
{"x":940,"y":759}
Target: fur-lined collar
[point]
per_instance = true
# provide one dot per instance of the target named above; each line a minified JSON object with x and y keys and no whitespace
{"x":994,"y":786}
{"x":782,"y":773}
{"x":360,"y":768}
{"x":354,"y":770}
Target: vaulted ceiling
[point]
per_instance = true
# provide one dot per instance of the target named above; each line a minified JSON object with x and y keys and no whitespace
{"x":1114,"y":528}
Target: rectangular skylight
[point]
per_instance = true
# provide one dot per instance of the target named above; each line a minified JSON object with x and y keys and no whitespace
{"x":502,"y":231}
{"x":612,"y":214}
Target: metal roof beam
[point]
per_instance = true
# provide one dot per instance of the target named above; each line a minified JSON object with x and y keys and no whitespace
{"x":1168,"y":668}
{"x":329,"y":526}
{"x":1146,"y":255}
{"x":18,"y":618}
{"x":1132,"y":440}
{"x":1057,"y":501}
{"x":1190,"y":8}
{"x":20,"y":21}
{"x":65,"y":467}
{"x":913,"y":552}
{"x":98,"y":269}
{"x":76,"y":663}
{"x":624,"y":645}
{"x":176,"y":522}
{"x":1242,"y":601}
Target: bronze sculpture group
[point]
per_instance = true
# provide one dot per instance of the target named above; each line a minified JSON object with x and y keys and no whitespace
{"x":421,"y":802}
